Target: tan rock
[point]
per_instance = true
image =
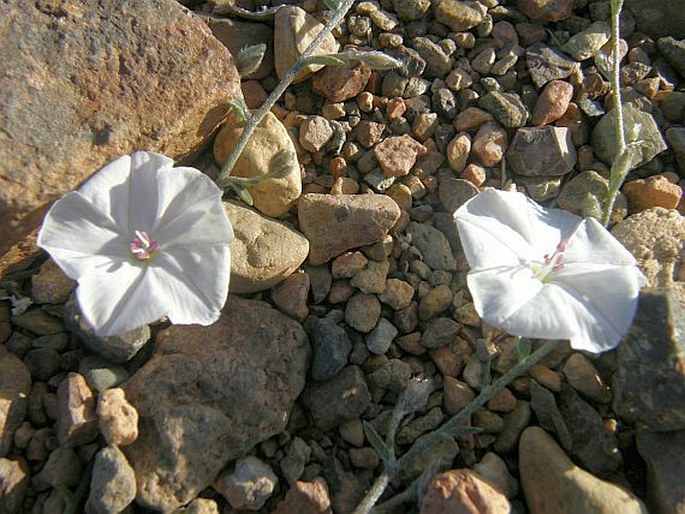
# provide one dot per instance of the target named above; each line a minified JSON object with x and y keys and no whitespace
{"x":546,"y":10}
{"x":490,"y":143}
{"x":65,"y":114}
{"x":51,"y":284}
{"x":458,"y":151}
{"x":340,"y":83}
{"x":276,"y":195}
{"x":335,"y":223}
{"x":306,"y":498}
{"x":264,"y":252}
{"x":463,"y":491}
{"x":397,"y":154}
{"x":655,"y":191}
{"x":15,"y":385}
{"x":117,"y":418}
{"x":553,"y":483}
{"x":294,"y":30}
{"x":290,"y":296}
{"x":236,"y":35}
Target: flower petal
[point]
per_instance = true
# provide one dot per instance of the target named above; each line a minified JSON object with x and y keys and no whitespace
{"x":607,"y":296}
{"x":200,"y":296}
{"x":148,"y":170}
{"x":108,"y":191}
{"x":592,"y":243}
{"x":80,"y":237}
{"x":193,"y":214}
{"x":114,"y":303}
{"x":513,"y":300}
{"x":498,"y":228}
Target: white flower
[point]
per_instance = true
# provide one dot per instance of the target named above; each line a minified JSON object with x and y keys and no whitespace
{"x":144,"y":240}
{"x":547,"y":273}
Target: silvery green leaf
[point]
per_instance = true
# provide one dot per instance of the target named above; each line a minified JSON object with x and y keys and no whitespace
{"x":243,"y":194}
{"x":523,"y":348}
{"x":240,"y":109}
{"x":282,"y":163}
{"x":590,"y":207}
{"x":377,"y":443}
{"x":324,"y":60}
{"x":249,"y":59}
{"x":374,"y":60}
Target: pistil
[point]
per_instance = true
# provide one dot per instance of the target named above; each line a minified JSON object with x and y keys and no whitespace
{"x":142,"y":246}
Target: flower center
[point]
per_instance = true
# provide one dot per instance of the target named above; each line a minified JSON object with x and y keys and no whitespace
{"x":552,"y":263}
{"x":142,"y":247}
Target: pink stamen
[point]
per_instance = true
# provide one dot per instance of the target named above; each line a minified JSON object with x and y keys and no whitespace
{"x":557,"y":258}
{"x":142,"y":247}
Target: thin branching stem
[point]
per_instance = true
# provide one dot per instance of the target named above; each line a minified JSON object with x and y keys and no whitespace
{"x":259,"y":114}
{"x":453,"y":426}
{"x":619,"y":167}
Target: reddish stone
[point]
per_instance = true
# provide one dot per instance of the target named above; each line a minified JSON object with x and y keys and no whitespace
{"x":340,"y":83}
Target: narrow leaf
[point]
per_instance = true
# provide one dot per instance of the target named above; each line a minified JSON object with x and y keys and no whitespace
{"x":374,"y":60}
{"x":324,"y":60}
{"x":240,"y":109}
{"x":377,"y":442}
{"x":333,"y":5}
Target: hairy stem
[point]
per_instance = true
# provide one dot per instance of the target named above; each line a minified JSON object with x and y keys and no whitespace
{"x":454,"y":424}
{"x":259,"y":114}
{"x":619,"y":167}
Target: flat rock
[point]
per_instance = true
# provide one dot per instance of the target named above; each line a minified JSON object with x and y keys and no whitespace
{"x":340,"y":83}
{"x":15,"y":385}
{"x":335,"y":223}
{"x":657,"y":17}
{"x":586,"y":191}
{"x":51,"y":284}
{"x":543,"y":151}
{"x":674,"y":51}
{"x":546,"y":10}
{"x":77,"y":421}
{"x":553,"y":483}
{"x":546,"y":64}
{"x":584,"y":44}
{"x":654,"y":191}
{"x":14,"y":484}
{"x":264,"y":251}
{"x":161,"y":83}
{"x":459,"y":15}
{"x":507,"y":108}
{"x":278,"y":193}
{"x":650,"y":380}
{"x":209,"y":394}
{"x":397,"y":154}
{"x":433,"y":245}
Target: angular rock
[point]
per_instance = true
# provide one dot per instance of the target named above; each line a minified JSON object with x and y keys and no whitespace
{"x":650,"y":380}
{"x":662,"y":452}
{"x":654,"y":191}
{"x":506,"y":108}
{"x":490,"y":143}
{"x":15,"y":385}
{"x":657,"y":17}
{"x":161,"y":93}
{"x":343,"y":398}
{"x":330,"y":347}
{"x":340,"y":83}
{"x":51,"y":284}
{"x":455,"y":192}
{"x":265,"y":152}
{"x":676,"y":140}
{"x":209,"y":394}
{"x":247,"y":484}
{"x":306,"y":498}
{"x":290,"y":296}
{"x":546,"y":64}
{"x":362,"y":312}
{"x":264,"y":251}
{"x":397,"y":154}
{"x":294,"y":30}
{"x":544,"y":151}
{"x":546,"y":10}
{"x":335,"y":223}
{"x":584,"y":378}
{"x":77,"y":421}
{"x":120,"y":348}
{"x":587,"y":42}
{"x":63,"y":467}
{"x":463,"y":491}
{"x":113,"y":483}
{"x":315,"y":132}
{"x":585,"y":193}
{"x":14,"y":484}
{"x":433,"y":246}
{"x":459,"y":15}
{"x":553,"y":483}
{"x":674,"y":51}
{"x":643,"y":128}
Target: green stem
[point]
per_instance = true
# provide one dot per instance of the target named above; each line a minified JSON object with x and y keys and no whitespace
{"x":619,"y":168}
{"x":371,"y":497}
{"x":259,"y":114}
